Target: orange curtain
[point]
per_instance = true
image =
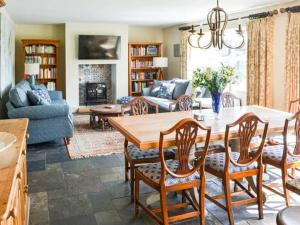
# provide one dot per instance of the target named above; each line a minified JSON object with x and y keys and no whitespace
{"x":260,"y":62}
{"x":292,"y":68}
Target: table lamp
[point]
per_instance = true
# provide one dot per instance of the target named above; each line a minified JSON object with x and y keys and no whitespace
{"x":32,"y":69}
{"x":160,"y":62}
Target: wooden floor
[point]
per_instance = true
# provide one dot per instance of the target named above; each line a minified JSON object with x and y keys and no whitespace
{"x":92,"y":192}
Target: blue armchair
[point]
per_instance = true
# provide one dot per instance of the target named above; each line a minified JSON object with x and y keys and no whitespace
{"x":46,"y":122}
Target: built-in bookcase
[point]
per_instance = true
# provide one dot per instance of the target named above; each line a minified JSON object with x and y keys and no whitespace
{"x":46,"y":53}
{"x":141,"y":72}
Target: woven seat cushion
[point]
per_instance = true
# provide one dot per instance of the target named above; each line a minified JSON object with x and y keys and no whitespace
{"x":217,"y":162}
{"x":135,"y":153}
{"x":274,"y":152}
{"x":291,"y":139}
{"x":153,"y":172}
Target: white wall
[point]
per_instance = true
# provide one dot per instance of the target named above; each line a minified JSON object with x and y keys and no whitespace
{"x":71,"y":41}
{"x":145,"y":34}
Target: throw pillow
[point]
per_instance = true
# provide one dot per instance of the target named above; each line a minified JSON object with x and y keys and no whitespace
{"x":180,"y":88}
{"x":38,"y":87}
{"x":166,"y":90}
{"x":39,"y":97}
{"x":18,"y":97}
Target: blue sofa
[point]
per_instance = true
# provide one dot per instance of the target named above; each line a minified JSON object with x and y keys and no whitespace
{"x":46,"y":122}
{"x":182,"y":87}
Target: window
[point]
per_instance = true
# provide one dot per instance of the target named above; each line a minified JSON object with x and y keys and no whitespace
{"x":213,"y":57}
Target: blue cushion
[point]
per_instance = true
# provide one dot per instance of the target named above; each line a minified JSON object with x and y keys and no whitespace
{"x":180,"y":87}
{"x":155,"y":89}
{"x":124,"y":100}
{"x":38,"y":87}
{"x":166,"y":90}
{"x":18,"y":97}
{"x":39,"y":97}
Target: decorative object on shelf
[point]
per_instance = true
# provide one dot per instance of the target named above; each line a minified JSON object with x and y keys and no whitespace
{"x":160,"y":62}
{"x":6,"y":140}
{"x":32,"y":70}
{"x":2,"y":3}
{"x":214,"y":81}
{"x":217,"y":20}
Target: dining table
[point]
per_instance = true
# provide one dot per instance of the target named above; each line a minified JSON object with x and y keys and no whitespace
{"x":144,"y":130}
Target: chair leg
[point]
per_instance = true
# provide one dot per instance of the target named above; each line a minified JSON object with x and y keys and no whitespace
{"x":137,"y":194}
{"x":266,"y":168}
{"x":126,"y":168}
{"x":260,"y":194}
{"x":164,"y":206}
{"x":285,"y":190}
{"x":131,"y":181}
{"x":202,"y":200}
{"x":226,"y":183}
{"x":293,"y":172}
{"x":183,"y":198}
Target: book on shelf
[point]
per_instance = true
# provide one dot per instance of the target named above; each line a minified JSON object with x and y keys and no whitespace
{"x":51,"y":86}
{"x":40,"y":49}
{"x":150,"y":50}
{"x":141,"y":64}
{"x":143,"y":75}
{"x":47,"y":73}
{"x":40,"y":60}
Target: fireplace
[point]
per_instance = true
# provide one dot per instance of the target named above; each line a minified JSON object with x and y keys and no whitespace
{"x":95,"y":84}
{"x":95,"y":93}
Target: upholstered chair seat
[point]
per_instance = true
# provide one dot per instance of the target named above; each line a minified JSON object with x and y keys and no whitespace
{"x":153,"y":172}
{"x":275,"y":153}
{"x":134,"y":153}
{"x":278,"y":139}
{"x":217,"y":163}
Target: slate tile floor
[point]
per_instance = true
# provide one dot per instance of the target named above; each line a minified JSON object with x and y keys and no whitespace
{"x":93,"y":192}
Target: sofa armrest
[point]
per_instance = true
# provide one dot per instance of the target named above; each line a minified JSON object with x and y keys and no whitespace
{"x":55,"y":95}
{"x":39,"y":112}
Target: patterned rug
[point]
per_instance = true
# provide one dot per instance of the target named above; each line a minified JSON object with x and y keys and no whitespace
{"x":88,"y":142}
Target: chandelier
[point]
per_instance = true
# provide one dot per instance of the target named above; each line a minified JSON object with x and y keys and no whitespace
{"x":217,"y":20}
{"x":2,"y":3}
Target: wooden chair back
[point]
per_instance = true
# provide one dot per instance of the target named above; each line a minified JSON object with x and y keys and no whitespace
{"x":296,"y":150}
{"x":139,"y":106}
{"x":294,"y":105}
{"x":185,"y":103}
{"x":186,"y":132}
{"x":228,"y":100}
{"x":247,"y":127}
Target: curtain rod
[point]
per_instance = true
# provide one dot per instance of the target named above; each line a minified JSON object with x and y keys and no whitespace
{"x":293,"y":9}
{"x":250,"y":17}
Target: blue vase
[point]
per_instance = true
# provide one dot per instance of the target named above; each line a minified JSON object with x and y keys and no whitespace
{"x":216,"y":103}
{"x":31,"y":80}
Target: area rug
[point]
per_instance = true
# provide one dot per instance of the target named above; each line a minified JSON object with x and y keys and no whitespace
{"x":88,"y":142}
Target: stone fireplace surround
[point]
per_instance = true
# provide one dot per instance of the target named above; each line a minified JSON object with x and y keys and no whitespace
{"x":95,"y":73}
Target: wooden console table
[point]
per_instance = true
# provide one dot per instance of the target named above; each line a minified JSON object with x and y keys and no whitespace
{"x":14,"y":200}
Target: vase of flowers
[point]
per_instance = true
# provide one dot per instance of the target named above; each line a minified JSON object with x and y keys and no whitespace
{"x":215,"y":81}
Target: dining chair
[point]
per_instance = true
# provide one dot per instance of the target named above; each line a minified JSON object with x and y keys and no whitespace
{"x":294,"y":106}
{"x":132,"y":154}
{"x":285,"y":156}
{"x":238,"y":165}
{"x":176,"y":175}
{"x":229,"y":100}
{"x":184,"y":102}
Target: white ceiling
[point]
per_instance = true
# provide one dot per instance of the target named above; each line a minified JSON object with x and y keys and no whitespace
{"x":132,"y":12}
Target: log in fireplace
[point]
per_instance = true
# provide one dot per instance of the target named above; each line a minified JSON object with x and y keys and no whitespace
{"x":96,"y":93}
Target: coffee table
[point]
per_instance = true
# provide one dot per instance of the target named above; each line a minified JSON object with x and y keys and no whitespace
{"x":100,"y":113}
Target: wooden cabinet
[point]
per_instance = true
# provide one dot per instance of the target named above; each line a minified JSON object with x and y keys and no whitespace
{"x":14,"y":200}
{"x":141,"y":72}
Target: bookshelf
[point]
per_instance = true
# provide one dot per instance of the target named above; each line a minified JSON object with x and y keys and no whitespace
{"x":141,"y":72}
{"x":46,"y":53}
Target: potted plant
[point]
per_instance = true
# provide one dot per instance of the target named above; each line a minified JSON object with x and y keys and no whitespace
{"x":215,"y":81}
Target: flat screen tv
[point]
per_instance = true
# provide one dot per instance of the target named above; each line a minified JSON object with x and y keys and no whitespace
{"x":99,"y":47}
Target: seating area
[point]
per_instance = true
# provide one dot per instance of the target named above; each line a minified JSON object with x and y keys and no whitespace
{"x":141,"y":113}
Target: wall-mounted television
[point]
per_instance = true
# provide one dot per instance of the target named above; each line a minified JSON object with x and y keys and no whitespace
{"x":99,"y":47}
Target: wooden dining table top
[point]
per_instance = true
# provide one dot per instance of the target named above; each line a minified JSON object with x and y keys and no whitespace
{"x":144,"y":130}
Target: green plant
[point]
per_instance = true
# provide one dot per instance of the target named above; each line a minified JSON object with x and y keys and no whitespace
{"x":213,"y":80}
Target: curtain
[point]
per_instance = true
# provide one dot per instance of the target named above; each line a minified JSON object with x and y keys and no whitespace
{"x":184,"y":54}
{"x":259,"y":61}
{"x":292,"y":68}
